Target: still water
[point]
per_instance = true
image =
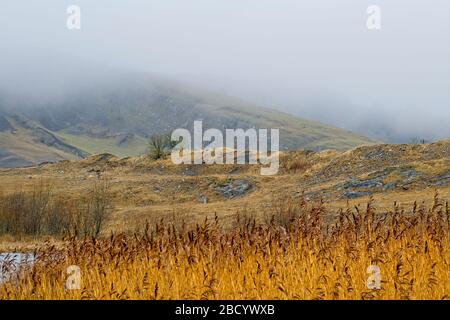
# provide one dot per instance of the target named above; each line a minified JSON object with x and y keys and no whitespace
{"x":12,"y":262}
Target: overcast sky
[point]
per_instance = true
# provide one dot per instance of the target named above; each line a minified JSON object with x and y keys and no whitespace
{"x":316,"y":59}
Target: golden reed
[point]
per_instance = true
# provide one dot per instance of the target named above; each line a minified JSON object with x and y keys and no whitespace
{"x":302,"y":252}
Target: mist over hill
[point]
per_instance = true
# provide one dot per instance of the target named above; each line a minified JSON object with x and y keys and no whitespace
{"x":316,"y":59}
{"x":149,"y":67}
{"x":117,"y":114}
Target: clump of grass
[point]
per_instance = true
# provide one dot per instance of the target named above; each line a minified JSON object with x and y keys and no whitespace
{"x":298,"y":253}
{"x":296,"y":162}
{"x":297,"y":165}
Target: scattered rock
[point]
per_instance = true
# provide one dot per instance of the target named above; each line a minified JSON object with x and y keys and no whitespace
{"x":369,"y":183}
{"x":105,"y":157}
{"x":94,"y":169}
{"x":235,"y":188}
{"x":97,"y":171}
{"x":376,"y":180}
{"x":390,"y":186}
{"x":379,"y":154}
{"x":441,"y":180}
{"x":409,"y":174}
{"x":356,"y":194}
{"x":203,"y":199}
{"x":189,"y":172}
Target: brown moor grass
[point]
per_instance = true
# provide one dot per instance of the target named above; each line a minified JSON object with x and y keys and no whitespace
{"x":302,"y":252}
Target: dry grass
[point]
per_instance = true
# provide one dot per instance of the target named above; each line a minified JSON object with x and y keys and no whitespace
{"x":40,"y":212}
{"x":300,"y":251}
{"x":143,"y":190}
{"x":279,"y":246}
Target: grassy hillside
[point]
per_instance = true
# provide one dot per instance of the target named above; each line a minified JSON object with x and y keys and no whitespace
{"x":118,"y":118}
{"x":134,"y":147}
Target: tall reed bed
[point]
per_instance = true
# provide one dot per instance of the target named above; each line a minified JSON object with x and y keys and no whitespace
{"x":301,"y":252}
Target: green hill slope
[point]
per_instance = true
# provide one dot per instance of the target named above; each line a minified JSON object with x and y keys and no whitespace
{"x":118,"y":118}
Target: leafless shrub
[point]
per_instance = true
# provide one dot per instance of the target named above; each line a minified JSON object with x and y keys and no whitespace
{"x":159,"y":146}
{"x":40,"y":212}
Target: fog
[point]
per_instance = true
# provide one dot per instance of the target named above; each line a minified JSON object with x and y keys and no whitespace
{"x":314,"y":59}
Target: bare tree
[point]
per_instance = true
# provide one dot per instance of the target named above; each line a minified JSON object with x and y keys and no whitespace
{"x":159,"y":146}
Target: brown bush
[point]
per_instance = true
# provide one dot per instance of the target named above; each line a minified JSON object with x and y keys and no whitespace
{"x":40,"y":212}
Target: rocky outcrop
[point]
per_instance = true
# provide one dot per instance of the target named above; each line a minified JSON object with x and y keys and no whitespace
{"x":43,"y":136}
{"x":4,"y":124}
